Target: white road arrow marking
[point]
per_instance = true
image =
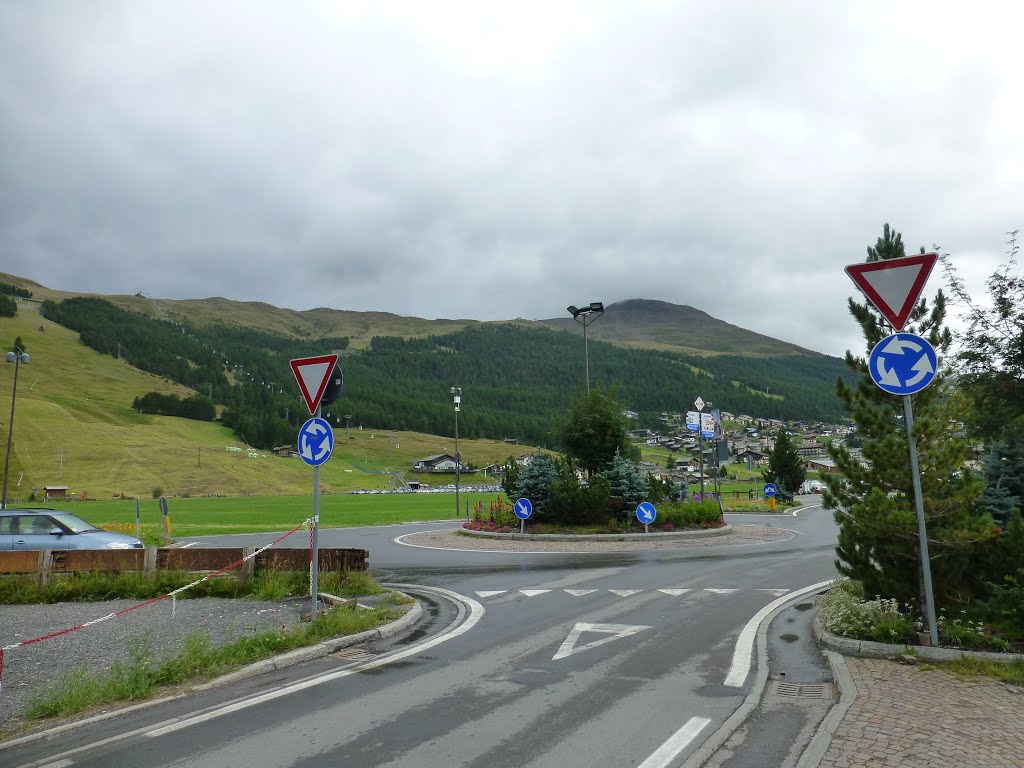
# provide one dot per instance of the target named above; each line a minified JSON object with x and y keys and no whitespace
{"x":675,"y":592}
{"x":923,"y":367}
{"x":615,"y":631}
{"x":889,"y":378}
{"x":491,"y":592}
{"x":623,"y":592}
{"x":580,"y":592}
{"x":897,"y":346}
{"x":533,"y":592}
{"x":720,"y":591}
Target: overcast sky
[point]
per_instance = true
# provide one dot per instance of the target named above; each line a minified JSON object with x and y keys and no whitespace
{"x":499,"y":160}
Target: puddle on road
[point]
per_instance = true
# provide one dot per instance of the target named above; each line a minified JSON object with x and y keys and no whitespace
{"x":804,"y":606}
{"x":789,"y":638}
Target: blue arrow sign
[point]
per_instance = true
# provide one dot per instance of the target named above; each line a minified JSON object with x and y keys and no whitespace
{"x":903,"y":364}
{"x":523,"y":509}
{"x":770,"y":489}
{"x":645,"y":512}
{"x":316,"y":441}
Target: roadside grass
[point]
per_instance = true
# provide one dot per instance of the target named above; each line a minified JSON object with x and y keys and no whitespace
{"x":143,"y":674}
{"x":967,"y":669}
{"x":255,"y":514}
{"x":265,"y":585}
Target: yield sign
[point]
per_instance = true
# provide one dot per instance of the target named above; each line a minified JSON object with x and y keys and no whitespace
{"x":313,"y":374}
{"x":611,"y":632}
{"x":894,"y":285}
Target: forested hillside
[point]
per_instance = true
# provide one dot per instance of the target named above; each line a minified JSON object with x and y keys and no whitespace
{"x":517,"y":381}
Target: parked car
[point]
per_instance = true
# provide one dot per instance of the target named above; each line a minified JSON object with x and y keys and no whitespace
{"x":50,"y":529}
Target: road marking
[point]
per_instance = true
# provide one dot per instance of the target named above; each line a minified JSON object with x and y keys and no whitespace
{"x":193,"y":543}
{"x":58,"y":764}
{"x":491,"y":592}
{"x":745,"y":642}
{"x":476,"y":612}
{"x":580,"y":592}
{"x":533,"y":592}
{"x":623,"y":592}
{"x":675,"y":592}
{"x":569,"y":647}
{"x":776,"y":592}
{"x":719,"y":591}
{"x":677,"y":742}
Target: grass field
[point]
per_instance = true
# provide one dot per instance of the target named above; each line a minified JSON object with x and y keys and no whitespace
{"x":203,"y":517}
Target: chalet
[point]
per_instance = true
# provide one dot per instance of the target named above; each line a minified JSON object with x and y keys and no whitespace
{"x":284,"y":450}
{"x":441,"y":462}
{"x":826,"y":466}
{"x":524,"y":460}
{"x":511,"y":441}
{"x":812,"y":450}
{"x":494,"y":470}
{"x":751,"y":457}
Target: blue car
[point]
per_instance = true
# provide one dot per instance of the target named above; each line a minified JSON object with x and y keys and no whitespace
{"x":50,"y":529}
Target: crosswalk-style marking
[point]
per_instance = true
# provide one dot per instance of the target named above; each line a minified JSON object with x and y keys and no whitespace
{"x":670,"y":591}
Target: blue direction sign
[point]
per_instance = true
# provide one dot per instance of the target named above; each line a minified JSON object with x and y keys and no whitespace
{"x":316,"y":441}
{"x":770,"y":490}
{"x":523,"y":509}
{"x":903,"y":364}
{"x":645,"y":512}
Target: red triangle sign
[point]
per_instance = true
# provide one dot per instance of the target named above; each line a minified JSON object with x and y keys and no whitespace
{"x":894,"y":285}
{"x":313,"y":374}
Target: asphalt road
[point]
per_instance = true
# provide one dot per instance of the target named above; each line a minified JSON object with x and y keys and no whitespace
{"x":567,"y":660}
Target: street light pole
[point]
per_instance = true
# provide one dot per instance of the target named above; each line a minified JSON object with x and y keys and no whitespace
{"x":457,"y":398}
{"x":18,"y":356}
{"x":585,"y":316}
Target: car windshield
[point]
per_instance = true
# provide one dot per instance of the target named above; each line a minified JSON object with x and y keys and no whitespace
{"x":74,"y":524}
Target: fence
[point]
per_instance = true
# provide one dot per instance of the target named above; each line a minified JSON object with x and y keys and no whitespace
{"x":47,"y":562}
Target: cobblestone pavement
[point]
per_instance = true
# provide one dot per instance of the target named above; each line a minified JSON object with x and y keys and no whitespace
{"x":909,"y":717}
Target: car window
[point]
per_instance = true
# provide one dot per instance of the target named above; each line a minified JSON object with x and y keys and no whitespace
{"x":36,"y":524}
{"x":7,"y":524}
{"x":72,"y":523}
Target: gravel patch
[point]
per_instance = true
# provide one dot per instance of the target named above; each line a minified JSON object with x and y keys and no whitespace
{"x":162,"y":626}
{"x":451,"y":539}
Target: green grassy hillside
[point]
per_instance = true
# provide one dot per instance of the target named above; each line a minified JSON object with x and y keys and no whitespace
{"x":74,"y":426}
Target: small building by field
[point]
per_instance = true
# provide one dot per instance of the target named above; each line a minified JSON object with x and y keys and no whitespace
{"x":55,"y":491}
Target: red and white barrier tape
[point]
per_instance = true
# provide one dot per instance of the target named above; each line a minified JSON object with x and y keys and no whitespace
{"x":152,"y":600}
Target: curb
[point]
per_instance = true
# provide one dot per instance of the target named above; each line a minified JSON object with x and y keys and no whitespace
{"x":822,"y":739}
{"x":869,"y":649}
{"x":704,"y":533}
{"x":267,"y":665}
{"x":319,"y":650}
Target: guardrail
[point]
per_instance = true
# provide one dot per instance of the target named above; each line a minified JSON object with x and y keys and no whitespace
{"x":47,"y":562}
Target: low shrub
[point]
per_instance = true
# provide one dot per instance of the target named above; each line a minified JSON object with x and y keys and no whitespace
{"x":845,"y":612}
{"x":498,"y":514}
{"x":690,"y":514}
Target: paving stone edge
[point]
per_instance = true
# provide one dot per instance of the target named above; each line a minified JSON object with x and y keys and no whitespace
{"x":703,"y":533}
{"x":871,"y":650}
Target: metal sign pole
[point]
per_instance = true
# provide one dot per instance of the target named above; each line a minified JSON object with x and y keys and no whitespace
{"x":915,"y":476}
{"x":315,"y":554}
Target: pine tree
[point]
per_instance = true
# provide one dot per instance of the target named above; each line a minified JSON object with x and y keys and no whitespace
{"x":1004,"y":477}
{"x":785,"y":467}
{"x":873,"y":501}
{"x":625,"y":481}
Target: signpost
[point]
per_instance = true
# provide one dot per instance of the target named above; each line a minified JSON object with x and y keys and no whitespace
{"x":699,"y":405}
{"x":645,"y":513}
{"x":769,"y":490}
{"x":903,"y":364}
{"x":523,"y":508}
{"x":316,"y":443}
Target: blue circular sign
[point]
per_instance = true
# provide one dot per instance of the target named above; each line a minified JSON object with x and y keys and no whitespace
{"x":770,"y":489}
{"x":903,"y":364}
{"x":645,"y":512}
{"x":523,"y":509}
{"x":316,"y":441}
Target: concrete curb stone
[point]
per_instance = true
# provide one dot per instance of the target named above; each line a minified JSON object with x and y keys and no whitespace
{"x":703,"y":533}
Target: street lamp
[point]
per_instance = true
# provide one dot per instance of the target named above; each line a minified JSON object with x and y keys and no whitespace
{"x":585,"y":316}
{"x":18,"y":356}
{"x":457,"y":398}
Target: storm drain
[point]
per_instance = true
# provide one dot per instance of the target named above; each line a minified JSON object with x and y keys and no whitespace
{"x":801,"y":690}
{"x":355,"y":653}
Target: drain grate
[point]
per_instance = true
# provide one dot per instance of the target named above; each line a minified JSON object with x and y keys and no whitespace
{"x":801,"y":690}
{"x":356,"y":653}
